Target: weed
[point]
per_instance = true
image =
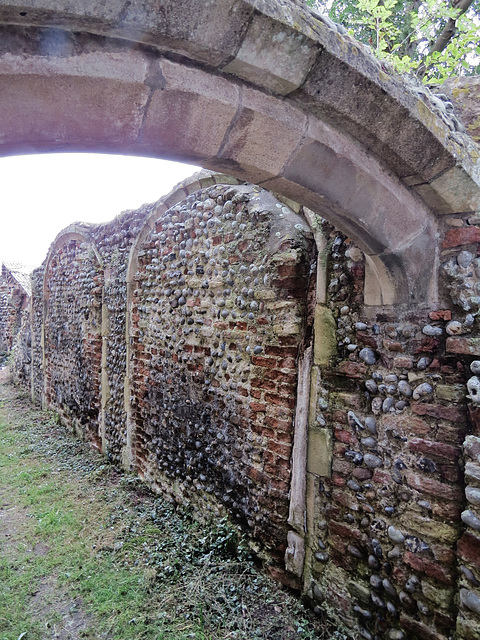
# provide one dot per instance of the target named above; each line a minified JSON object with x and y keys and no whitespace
{"x":95,"y":551}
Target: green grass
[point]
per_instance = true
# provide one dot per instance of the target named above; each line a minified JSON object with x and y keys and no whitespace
{"x":97,"y":548}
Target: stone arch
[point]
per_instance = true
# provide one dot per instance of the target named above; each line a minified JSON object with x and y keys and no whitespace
{"x":72,"y":331}
{"x":275,"y":96}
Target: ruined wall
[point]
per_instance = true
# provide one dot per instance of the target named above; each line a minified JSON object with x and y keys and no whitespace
{"x":14,"y":297}
{"x":393,"y":529}
{"x":218,"y":318}
{"x":72,"y":334}
{"x":169,"y":339}
{"x":234,"y":365}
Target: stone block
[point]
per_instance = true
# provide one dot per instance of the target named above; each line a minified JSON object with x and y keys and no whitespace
{"x":189,"y":116}
{"x":471,"y":447}
{"x":451,"y":393}
{"x":432,"y":529}
{"x":319,"y":457}
{"x":325,"y":336}
{"x":273,"y":55}
{"x":253,"y":142}
{"x":295,"y":553}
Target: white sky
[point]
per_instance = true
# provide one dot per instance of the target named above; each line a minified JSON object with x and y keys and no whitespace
{"x":42,"y":194}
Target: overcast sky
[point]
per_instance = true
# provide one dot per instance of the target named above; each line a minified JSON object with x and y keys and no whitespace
{"x":42,"y":194}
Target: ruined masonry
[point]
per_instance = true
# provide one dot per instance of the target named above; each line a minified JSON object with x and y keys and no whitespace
{"x":204,"y":340}
{"x":15,"y":292}
{"x":317,"y":381}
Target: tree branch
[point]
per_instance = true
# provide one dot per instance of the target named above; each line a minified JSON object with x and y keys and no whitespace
{"x":447,"y":33}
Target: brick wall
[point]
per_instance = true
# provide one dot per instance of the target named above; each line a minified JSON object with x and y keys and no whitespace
{"x":395,"y":532}
{"x":217,"y":323}
{"x":172,"y":337}
{"x":169,"y":338}
{"x":13,"y":300}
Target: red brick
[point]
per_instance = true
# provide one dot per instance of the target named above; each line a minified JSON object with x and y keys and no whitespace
{"x":287,"y":579}
{"x":280,"y":376}
{"x":419,"y":629}
{"x":468,"y":548}
{"x":429,"y":567}
{"x":242,"y":391}
{"x":451,"y":433}
{"x":257,"y":476}
{"x":393,"y":345}
{"x":445,"y":555}
{"x":345,"y":436}
{"x":282,"y":352}
{"x":293,"y":283}
{"x":365,"y":339}
{"x":444,"y":622}
{"x":287,"y":389}
{"x":281,"y":436}
{"x":288,"y":270}
{"x":450,"y":472}
{"x":341,"y":466}
{"x":258,"y":406}
{"x":360,"y":473}
{"x":277,"y":471}
{"x":278,"y":485}
{"x":463,"y":346}
{"x":474,"y":413}
{"x":434,"y":487}
{"x":280,"y":448}
{"x":460,"y":236}
{"x":339,"y":449}
{"x":403,"y":362}
{"x":260,"y":361}
{"x":278,"y":425}
{"x":343,"y":530}
{"x":338,"y":481}
{"x":452,"y":414}
{"x":338,"y":546}
{"x":447,"y":511}
{"x":444,"y":314}
{"x":261,"y":383}
{"x":352,"y":369}
{"x":381,"y":477}
{"x":282,"y":401}
{"x":436,"y":449}
{"x":344,"y":499}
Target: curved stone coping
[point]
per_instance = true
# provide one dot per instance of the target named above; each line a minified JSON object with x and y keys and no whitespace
{"x":76,"y":231}
{"x":284,"y":48}
{"x":200,"y":180}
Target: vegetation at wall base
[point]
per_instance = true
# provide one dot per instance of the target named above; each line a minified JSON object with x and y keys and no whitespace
{"x":88,"y":552}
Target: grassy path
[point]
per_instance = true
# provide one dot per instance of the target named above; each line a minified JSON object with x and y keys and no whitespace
{"x":87,"y":552}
